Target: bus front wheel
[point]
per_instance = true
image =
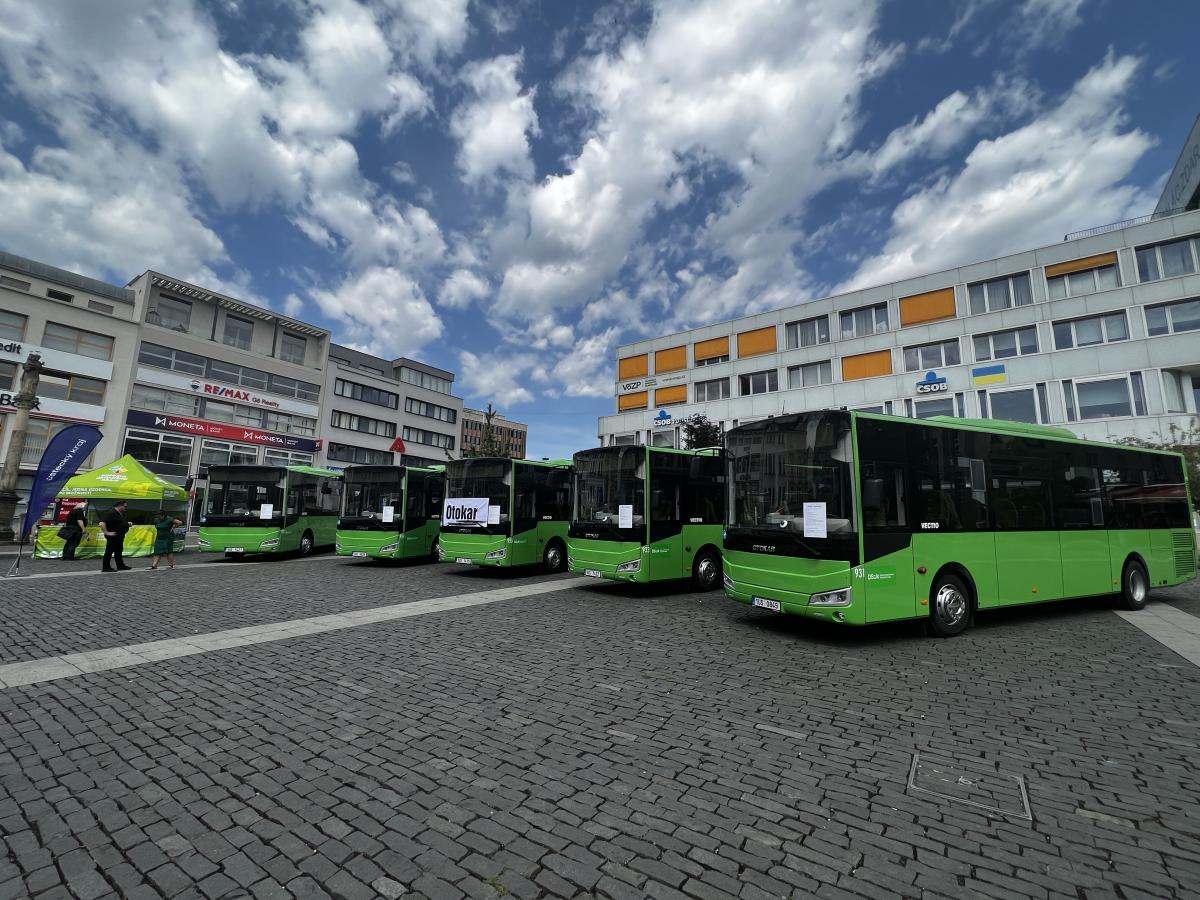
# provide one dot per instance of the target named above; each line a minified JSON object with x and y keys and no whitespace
{"x":949,"y":606}
{"x":1135,"y":586}
{"x":706,"y":571}
{"x":306,"y":543}
{"x":555,"y":557}
{"x":435,"y":553}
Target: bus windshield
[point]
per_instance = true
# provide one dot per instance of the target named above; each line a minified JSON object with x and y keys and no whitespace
{"x":609,"y":481}
{"x":478,"y":478}
{"x":241,"y":497}
{"x":370,"y":493}
{"x":789,"y":467}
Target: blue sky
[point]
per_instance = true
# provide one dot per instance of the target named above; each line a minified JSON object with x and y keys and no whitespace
{"x":509,"y":189}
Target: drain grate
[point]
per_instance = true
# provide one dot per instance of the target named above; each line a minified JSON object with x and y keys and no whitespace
{"x":993,"y":791}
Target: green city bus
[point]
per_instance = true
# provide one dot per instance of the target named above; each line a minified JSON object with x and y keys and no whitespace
{"x":647,"y":514}
{"x":859,"y":518}
{"x":390,"y":512}
{"x":506,"y":512}
{"x":269,"y":509}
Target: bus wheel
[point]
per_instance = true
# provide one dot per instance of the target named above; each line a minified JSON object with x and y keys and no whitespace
{"x":555,"y":557}
{"x":306,"y":543}
{"x":1135,"y":585}
{"x":950,"y":606}
{"x":706,"y":571}
{"x":435,"y":554}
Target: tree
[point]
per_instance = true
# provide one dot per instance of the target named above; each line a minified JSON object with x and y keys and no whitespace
{"x":488,"y":445}
{"x":699,"y":432}
{"x":1179,"y":440}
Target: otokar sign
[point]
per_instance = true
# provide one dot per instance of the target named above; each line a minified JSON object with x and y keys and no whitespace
{"x":465,"y":511}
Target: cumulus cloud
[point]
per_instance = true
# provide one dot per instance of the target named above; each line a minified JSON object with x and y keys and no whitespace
{"x":461,"y":288}
{"x":491,"y":377}
{"x":1062,"y":171}
{"x":383,"y":311}
{"x":492,"y":127}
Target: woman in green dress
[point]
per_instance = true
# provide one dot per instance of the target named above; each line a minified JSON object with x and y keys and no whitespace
{"x":164,"y":538}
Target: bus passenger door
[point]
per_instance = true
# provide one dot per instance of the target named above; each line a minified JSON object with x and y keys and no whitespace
{"x":1083,"y":538}
{"x":887,"y":571}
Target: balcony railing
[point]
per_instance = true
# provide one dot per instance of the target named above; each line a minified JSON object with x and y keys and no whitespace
{"x":1116,"y":226}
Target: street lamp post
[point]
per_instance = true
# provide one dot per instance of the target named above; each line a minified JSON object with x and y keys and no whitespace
{"x":26,"y":400}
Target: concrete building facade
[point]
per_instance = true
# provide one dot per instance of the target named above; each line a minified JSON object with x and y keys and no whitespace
{"x":1099,"y":334}
{"x":512,"y":436}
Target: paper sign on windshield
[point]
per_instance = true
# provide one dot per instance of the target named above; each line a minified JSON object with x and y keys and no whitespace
{"x":465,"y":511}
{"x":266,"y":510}
{"x":494,"y":514}
{"x":625,"y":515}
{"x":814,"y":520}
{"x":389,"y":514}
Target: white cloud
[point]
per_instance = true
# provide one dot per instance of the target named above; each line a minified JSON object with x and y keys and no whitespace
{"x":383,"y":311}
{"x":424,"y":31}
{"x":1062,"y":171}
{"x":461,"y":288}
{"x":492,"y":126}
{"x":586,"y":371}
{"x":491,"y":377}
{"x":1047,"y":22}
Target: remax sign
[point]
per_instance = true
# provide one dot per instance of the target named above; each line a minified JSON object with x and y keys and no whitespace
{"x":932,"y":383}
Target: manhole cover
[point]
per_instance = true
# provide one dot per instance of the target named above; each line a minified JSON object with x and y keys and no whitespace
{"x":993,"y":791}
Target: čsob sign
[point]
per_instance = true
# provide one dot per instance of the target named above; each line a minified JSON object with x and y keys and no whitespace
{"x":931,"y":384}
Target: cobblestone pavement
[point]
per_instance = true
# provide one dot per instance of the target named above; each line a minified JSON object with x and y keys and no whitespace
{"x":594,"y":741}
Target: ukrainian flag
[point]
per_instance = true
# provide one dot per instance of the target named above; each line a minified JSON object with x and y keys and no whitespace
{"x":989,"y":375}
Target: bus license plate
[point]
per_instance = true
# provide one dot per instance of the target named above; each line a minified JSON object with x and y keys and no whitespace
{"x":592,"y":573}
{"x":362,"y":554}
{"x":462,"y":560}
{"x":235,"y":550}
{"x":766,"y":604}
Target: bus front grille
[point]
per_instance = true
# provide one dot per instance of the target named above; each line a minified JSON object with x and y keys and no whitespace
{"x":1185,"y":554}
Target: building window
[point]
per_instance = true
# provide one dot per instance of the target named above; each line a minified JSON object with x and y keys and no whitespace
{"x":713,"y":360}
{"x":1171,"y":318}
{"x":12,"y":326}
{"x":167,"y":358}
{"x":716,"y":389}
{"x":362,"y":456}
{"x":864,"y":321}
{"x":38,"y":433}
{"x":76,"y":388}
{"x":807,"y":333}
{"x":287,"y":458}
{"x":171,"y":312}
{"x":10,"y":282}
{"x":931,"y":356}
{"x":166,"y":454}
{"x":293,"y":348}
{"x":432,"y":438}
{"x":937,"y":406}
{"x":425,"y":380}
{"x":1014,"y":406}
{"x":810,"y":375}
{"x":1075,"y":284}
{"x":366,"y":425}
{"x":302,"y":390}
{"x":1090,"y":331}
{"x":430,"y":410}
{"x":164,"y":401}
{"x":99,"y":307}
{"x":1101,"y":399}
{"x":76,"y":340}
{"x":1006,"y":344}
{"x":60,"y":296}
{"x":1168,"y":260}
{"x":758,"y":382}
{"x":366,"y":394}
{"x":288,"y":423}
{"x":238,"y":332}
{"x":8,"y":376}
{"x":1000,"y":293}
{"x":233,"y":413}
{"x":224,"y":453}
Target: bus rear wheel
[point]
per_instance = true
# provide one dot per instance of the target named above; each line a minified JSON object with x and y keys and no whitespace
{"x":306,"y":543}
{"x":949,"y":606}
{"x":706,"y":571}
{"x":1135,"y":586}
{"x":555,"y":557}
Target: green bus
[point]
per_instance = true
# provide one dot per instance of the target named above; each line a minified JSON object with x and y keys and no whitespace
{"x":506,"y":512}
{"x":647,"y":514}
{"x":390,"y":512}
{"x":859,"y":518}
{"x":269,"y":509}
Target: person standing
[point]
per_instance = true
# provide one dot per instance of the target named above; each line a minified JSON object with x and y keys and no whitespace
{"x":115,"y":525}
{"x":75,"y":527}
{"x":164,"y":538}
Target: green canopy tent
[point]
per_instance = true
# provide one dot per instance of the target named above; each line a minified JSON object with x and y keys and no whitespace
{"x":124,"y":479}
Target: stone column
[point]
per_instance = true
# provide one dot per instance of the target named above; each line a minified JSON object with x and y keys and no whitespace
{"x":26,"y":400}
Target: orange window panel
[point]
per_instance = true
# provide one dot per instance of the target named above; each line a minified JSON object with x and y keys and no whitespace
{"x":928,"y":307}
{"x":756,"y":342}
{"x":709,"y":349}
{"x":676,"y":393}
{"x":867,"y":365}
{"x":633,"y":366}
{"x":671,"y":360}
{"x":1078,"y":265}
{"x":640,"y":400}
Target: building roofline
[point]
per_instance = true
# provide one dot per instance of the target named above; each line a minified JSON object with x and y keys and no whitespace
{"x":422,"y":367}
{"x":64,"y":277}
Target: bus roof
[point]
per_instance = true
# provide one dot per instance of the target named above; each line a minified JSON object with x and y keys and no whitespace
{"x":548,"y":463}
{"x":313,"y":470}
{"x":700,"y":451}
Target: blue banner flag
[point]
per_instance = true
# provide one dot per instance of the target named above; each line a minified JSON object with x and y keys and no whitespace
{"x":61,"y":459}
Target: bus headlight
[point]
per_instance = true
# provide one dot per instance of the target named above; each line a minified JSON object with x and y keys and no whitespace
{"x":570,"y":563}
{"x":270,"y":542}
{"x":727,"y":580}
{"x":496,"y":554}
{"x":832,"y":598}
{"x":635,"y":566}
{"x":204,"y":543}
{"x":337,"y":547}
{"x":390,"y":548}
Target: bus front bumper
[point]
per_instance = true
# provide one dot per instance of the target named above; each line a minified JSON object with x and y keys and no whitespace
{"x":818,"y":589}
{"x":617,"y":560}
{"x":238,"y":541}
{"x":474,"y":551}
{"x":368,"y":545}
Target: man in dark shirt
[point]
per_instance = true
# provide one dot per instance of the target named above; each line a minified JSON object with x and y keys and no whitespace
{"x":75,"y":525}
{"x":115,"y":525}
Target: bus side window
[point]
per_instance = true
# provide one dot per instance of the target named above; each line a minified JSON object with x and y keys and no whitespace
{"x":883,"y":500}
